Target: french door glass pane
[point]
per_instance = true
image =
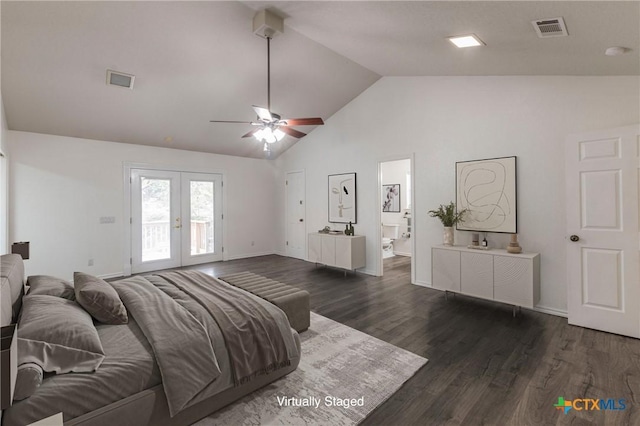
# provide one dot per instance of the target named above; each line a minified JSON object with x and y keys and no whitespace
{"x":156,"y":218}
{"x":202,"y":229}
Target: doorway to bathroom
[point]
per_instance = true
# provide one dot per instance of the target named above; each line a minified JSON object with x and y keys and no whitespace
{"x":396,"y":234}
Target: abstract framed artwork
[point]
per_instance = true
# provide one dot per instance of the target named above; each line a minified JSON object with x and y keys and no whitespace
{"x":487,"y":189}
{"x":391,"y":198}
{"x":342,"y":198}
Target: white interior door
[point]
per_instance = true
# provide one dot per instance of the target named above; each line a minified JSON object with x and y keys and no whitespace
{"x":201,"y":218}
{"x":602,"y":185}
{"x":176,"y":219}
{"x":155,"y":220}
{"x":295,"y":216}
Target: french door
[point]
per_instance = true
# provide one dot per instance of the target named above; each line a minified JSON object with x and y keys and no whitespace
{"x":176,"y":219}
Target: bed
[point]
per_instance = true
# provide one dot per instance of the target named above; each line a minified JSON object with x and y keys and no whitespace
{"x":191,"y":345}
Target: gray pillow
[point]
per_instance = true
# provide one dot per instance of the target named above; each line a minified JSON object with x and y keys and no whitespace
{"x":52,"y":286}
{"x":98,"y":298}
{"x":58,"y":335}
{"x":28,"y":380}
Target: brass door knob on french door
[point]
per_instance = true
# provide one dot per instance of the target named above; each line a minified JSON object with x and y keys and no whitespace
{"x":178,"y":224}
{"x":574,"y":238}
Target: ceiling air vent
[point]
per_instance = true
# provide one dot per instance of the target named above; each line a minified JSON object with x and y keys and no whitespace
{"x":120,"y":79}
{"x":553,"y":27}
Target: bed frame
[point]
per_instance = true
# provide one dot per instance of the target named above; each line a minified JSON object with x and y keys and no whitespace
{"x":148,"y":407}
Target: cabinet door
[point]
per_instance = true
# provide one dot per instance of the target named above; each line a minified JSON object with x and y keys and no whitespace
{"x":328,"y":250}
{"x":315,"y":248}
{"x":358,"y":251}
{"x":343,"y":253}
{"x":513,"y":280}
{"x":445,"y":267}
{"x":476,"y":274}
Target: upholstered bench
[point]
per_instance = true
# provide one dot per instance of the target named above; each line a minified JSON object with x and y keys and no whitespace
{"x":294,"y":302}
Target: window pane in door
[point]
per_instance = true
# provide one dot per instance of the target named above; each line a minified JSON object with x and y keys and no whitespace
{"x":156,"y":218}
{"x":202,"y":238}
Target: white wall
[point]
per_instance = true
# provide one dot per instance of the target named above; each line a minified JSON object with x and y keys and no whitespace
{"x":61,"y":186}
{"x":447,"y":119}
{"x":395,"y":172}
{"x":4,"y":182}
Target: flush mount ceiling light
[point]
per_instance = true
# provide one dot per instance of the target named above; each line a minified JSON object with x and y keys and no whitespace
{"x":616,"y":51}
{"x":469,"y":40}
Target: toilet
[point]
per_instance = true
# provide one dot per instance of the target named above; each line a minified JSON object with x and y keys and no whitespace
{"x":389,"y":233}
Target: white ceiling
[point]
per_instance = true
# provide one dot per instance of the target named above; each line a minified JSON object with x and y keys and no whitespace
{"x":196,"y":61}
{"x":408,"y":38}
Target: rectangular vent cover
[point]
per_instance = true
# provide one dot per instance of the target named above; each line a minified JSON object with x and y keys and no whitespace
{"x":120,"y":79}
{"x":553,"y":27}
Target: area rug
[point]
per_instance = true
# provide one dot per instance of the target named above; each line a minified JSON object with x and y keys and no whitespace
{"x":343,"y":376}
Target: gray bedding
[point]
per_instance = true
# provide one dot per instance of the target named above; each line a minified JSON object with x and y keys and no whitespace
{"x":129,"y":363}
{"x":132,"y":364}
{"x":256,"y":343}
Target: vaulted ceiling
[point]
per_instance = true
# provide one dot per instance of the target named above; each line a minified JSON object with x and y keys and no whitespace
{"x":196,"y":61}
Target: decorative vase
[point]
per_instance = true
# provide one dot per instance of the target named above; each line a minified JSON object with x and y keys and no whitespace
{"x":514,"y":246}
{"x":448,"y":236}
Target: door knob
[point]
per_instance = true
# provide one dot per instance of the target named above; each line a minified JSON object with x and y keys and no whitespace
{"x":301,"y":220}
{"x":574,"y":238}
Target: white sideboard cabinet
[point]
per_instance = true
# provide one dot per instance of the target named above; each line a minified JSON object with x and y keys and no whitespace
{"x":341,"y":251}
{"x":489,"y":274}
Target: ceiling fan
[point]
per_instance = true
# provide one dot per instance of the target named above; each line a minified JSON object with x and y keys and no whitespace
{"x":271,"y":127}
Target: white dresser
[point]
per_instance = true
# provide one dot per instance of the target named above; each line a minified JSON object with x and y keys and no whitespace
{"x":491,"y":274}
{"x":339,"y":250}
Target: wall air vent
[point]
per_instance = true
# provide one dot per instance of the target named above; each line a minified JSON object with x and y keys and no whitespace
{"x":553,"y":27}
{"x":120,"y":79}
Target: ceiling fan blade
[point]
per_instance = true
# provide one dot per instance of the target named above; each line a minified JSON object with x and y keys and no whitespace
{"x":263,"y":113}
{"x":317,"y":121}
{"x":292,"y":132}
{"x":251,"y":133}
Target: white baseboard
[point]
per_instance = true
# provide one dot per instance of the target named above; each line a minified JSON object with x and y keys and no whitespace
{"x":542,"y":309}
{"x":423,"y":283}
{"x":112,"y":275}
{"x":551,"y":311}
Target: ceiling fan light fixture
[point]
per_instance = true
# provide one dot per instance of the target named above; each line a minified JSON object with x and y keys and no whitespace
{"x":279,"y":134}
{"x":272,"y":127}
{"x":268,"y":135}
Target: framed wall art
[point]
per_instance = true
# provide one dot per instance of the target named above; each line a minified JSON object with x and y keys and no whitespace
{"x":342,"y":198}
{"x":487,"y":189}
{"x":391,"y":198}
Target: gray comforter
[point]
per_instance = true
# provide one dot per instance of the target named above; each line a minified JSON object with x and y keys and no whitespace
{"x":132,"y":364}
{"x":182,"y":313}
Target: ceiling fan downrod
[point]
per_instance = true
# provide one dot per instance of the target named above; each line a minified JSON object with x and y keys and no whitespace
{"x":269,"y":73}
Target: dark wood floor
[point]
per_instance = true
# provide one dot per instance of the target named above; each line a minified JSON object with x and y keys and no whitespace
{"x":485,"y":367}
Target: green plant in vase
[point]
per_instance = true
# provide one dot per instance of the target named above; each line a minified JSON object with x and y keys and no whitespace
{"x":449,"y":218}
